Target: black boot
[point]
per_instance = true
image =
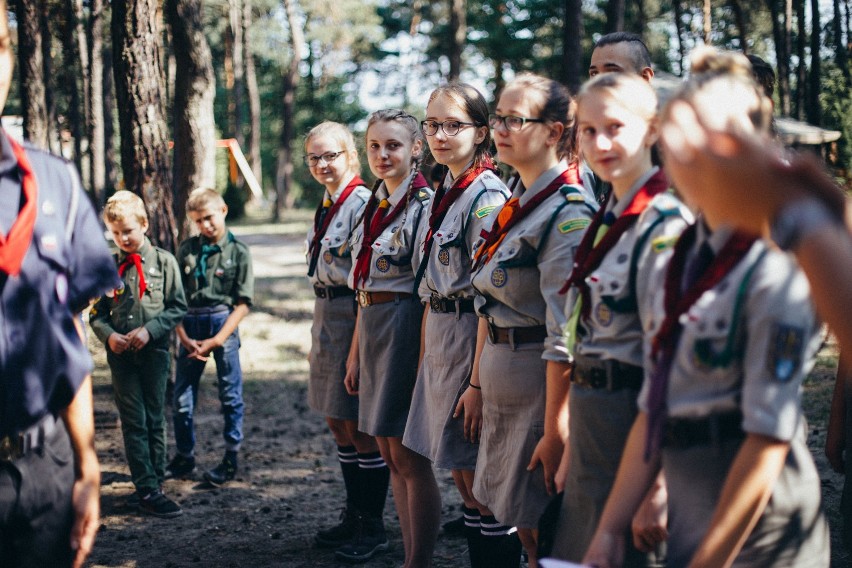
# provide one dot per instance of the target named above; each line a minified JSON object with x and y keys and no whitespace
{"x":341,"y":533}
{"x":370,"y":539}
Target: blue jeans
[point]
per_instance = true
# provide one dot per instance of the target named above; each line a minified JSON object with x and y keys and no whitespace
{"x":202,"y":326}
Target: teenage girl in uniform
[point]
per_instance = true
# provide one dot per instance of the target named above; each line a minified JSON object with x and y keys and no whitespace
{"x":446,"y":414}
{"x":518,"y":271}
{"x":734,"y":333}
{"x":618,"y":263}
{"x":332,"y":158}
{"x":382,"y":364}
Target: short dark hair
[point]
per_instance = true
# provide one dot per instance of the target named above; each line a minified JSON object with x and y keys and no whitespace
{"x":638,"y":49}
{"x":763,"y":74}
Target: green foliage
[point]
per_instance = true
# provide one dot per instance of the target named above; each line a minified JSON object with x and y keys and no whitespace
{"x":836,"y":102}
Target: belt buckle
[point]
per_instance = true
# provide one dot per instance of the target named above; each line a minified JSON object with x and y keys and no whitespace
{"x":320,"y":292}
{"x":435,"y":303}
{"x":597,"y":377}
{"x":363,"y":298}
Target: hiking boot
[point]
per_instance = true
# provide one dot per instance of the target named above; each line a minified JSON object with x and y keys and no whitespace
{"x":224,"y":472}
{"x":158,"y":505}
{"x":340,"y":534}
{"x":180,"y":466}
{"x":369,"y":539}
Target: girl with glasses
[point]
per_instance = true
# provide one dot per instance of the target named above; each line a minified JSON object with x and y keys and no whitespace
{"x":517,"y":272}
{"x":445,"y":417}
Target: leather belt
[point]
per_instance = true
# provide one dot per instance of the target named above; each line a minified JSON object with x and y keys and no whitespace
{"x":606,"y":374}
{"x":516,"y":335}
{"x":332,"y":292}
{"x":451,"y":306}
{"x":18,"y":445}
{"x":370,"y":298}
{"x":712,"y":430}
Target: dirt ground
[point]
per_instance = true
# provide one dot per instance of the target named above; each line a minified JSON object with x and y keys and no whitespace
{"x":289,"y":483}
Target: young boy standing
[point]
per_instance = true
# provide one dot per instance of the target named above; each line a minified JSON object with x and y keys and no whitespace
{"x":219,"y":285}
{"x":135,"y":323}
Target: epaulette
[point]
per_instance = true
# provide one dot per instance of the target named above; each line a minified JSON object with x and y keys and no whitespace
{"x":666,"y":203}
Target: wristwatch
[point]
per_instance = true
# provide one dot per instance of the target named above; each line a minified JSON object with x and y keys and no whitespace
{"x":797,"y":219}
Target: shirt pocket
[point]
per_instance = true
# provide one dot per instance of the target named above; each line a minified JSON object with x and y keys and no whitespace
{"x":223,"y":280}
{"x":709,"y":341}
{"x":336,"y":240}
{"x":448,"y":253}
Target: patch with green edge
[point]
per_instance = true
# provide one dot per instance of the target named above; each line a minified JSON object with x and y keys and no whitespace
{"x":574,"y":197}
{"x":662,"y":243}
{"x":574,"y":225}
{"x":483,"y":211}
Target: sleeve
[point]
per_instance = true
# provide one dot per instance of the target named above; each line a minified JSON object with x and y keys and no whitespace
{"x":244,"y":285}
{"x":174,"y":303}
{"x":482,"y":214}
{"x":415,"y":231}
{"x":99,"y":319}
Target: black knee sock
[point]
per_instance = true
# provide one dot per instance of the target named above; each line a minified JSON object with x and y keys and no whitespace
{"x":474,"y":536}
{"x":348,"y":458}
{"x":374,"y":476}
{"x":501,"y":547}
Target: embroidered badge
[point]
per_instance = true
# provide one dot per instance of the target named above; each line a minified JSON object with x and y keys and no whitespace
{"x":483,"y":211}
{"x":326,"y":257}
{"x":660,"y":244}
{"x":572,"y":197}
{"x":382,"y":264}
{"x":499,"y":277}
{"x":603,"y":314}
{"x":573,"y":225}
{"x":785,"y":350}
{"x":444,"y":257}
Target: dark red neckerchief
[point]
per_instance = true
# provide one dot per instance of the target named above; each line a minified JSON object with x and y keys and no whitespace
{"x":14,"y":246}
{"x":134,"y":259}
{"x":514,"y":213}
{"x":375,"y":222}
{"x":589,"y":256}
{"x":323,"y":218}
{"x":677,"y":303}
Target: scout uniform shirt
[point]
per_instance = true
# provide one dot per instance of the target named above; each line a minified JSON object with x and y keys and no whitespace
{"x":519,"y":286}
{"x":335,"y":256}
{"x":159,"y":309}
{"x":395,"y":251}
{"x":448,"y":270}
{"x":228,"y":279}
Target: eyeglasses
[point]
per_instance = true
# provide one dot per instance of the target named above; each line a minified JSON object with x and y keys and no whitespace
{"x":450,"y":127}
{"x":313,"y":160}
{"x":510,"y":122}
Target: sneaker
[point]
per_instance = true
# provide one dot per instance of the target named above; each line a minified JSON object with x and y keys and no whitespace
{"x":222,"y":473}
{"x":369,"y":539}
{"x":158,"y":505}
{"x":455,"y":527}
{"x":341,"y":533}
{"x":180,"y":466}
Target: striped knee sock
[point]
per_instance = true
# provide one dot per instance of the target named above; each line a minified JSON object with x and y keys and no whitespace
{"x":348,"y":458}
{"x":374,"y":477}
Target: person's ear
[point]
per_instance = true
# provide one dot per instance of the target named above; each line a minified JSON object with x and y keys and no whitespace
{"x":647,"y":73}
{"x":555,"y":133}
{"x":481,"y":133}
{"x":653,"y":133}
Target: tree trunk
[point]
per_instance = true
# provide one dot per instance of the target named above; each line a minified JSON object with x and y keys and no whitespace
{"x":140,"y":90}
{"x":499,"y":79}
{"x":195,"y":88}
{"x":572,"y":50}
{"x":284,"y":175}
{"x":841,"y":56}
{"x":802,"y":67}
{"x":110,"y":161}
{"x":708,"y":23}
{"x":458,"y":38}
{"x":253,"y":96}
{"x":614,"y":16}
{"x":237,"y":86}
{"x":781,"y":56}
{"x":677,"y":8}
{"x":95,"y":101}
{"x":31,"y":66}
{"x":739,"y":17}
{"x":75,"y":64}
{"x":814,"y":111}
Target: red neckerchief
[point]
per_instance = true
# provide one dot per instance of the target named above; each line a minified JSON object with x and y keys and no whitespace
{"x":512,"y":213}
{"x":589,"y":256}
{"x":14,"y":246}
{"x":375,"y":222}
{"x":134,"y":259}
{"x":677,"y":303}
{"x":323,"y":218}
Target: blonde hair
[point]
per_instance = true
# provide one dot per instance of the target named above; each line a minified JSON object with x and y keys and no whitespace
{"x":202,"y":198}
{"x":340,"y":134}
{"x":407,"y":121}
{"x":557,"y":106}
{"x":722,"y":89}
{"x":123,"y":205}
{"x":631,"y":90}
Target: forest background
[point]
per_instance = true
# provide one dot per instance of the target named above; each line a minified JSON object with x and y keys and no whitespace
{"x":136,"y":92}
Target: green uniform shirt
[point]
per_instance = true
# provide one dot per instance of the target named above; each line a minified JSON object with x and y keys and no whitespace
{"x":229,"y":276}
{"x":160,"y":309}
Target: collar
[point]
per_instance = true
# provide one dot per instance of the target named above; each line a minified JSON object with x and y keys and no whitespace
{"x":617,"y":206}
{"x":8,"y":161}
{"x":449,"y":180}
{"x":144,"y":250}
{"x":336,"y":195}
{"x":399,"y":194}
{"x":541,"y":182}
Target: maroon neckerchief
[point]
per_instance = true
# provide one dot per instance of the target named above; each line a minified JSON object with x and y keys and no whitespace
{"x":14,"y":245}
{"x":589,"y":256}
{"x":323,"y":218}
{"x":375,"y":222}
{"x":676,"y":303}
{"x":512,"y":213}
{"x":134,"y":259}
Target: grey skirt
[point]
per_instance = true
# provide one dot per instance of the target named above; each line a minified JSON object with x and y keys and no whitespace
{"x":331,"y":334}
{"x":444,"y":376}
{"x":388,"y":348}
{"x":513,"y":398}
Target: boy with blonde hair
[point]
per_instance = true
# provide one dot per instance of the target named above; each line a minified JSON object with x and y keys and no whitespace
{"x":219,"y":285}
{"x":135,"y":323}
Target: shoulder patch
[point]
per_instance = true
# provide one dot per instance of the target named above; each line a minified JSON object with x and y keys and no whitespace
{"x":785,"y":350}
{"x":484,"y":211}
{"x":574,"y":225}
{"x":662,"y":243}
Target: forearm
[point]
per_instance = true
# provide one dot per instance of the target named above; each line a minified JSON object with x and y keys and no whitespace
{"x":79,"y":421}
{"x":481,"y":338}
{"x":236,"y":316}
{"x":556,"y":403}
{"x":353,"y":347}
{"x":747,"y":489}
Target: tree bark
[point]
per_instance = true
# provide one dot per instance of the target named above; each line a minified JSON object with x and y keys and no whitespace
{"x":139,"y":89}
{"x":237,"y":86}
{"x":781,"y":56}
{"x":253,"y":96}
{"x":814,"y":110}
{"x":572,"y":50}
{"x":95,"y":103}
{"x":284,"y":175}
{"x":31,"y":66}
{"x":457,"y":36}
{"x":802,"y":67}
{"x":739,"y":17}
{"x":75,"y":64}
{"x":677,"y":8}
{"x":708,"y":22}
{"x":841,"y":56}
{"x":195,"y":88}
{"x":53,"y":127}
{"x":614,"y":16}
